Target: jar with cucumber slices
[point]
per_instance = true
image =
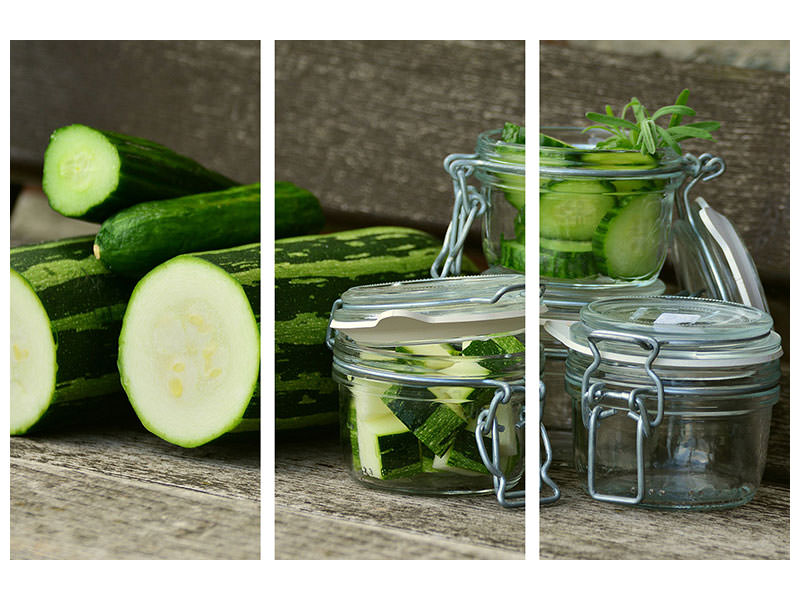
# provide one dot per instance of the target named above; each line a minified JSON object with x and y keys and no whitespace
{"x":431,"y":376}
{"x":604,"y":214}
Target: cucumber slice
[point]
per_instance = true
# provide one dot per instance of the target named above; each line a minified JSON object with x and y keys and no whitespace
{"x":33,"y":356}
{"x":627,"y":243}
{"x":619,"y":159}
{"x":387,"y":449}
{"x":572,"y":209}
{"x":550,"y":142}
{"x":566,"y":259}
{"x":512,"y":254}
{"x":189,"y":346}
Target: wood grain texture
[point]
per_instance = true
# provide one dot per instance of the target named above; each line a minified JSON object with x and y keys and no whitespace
{"x":122,"y":493}
{"x":365,"y":125}
{"x":577,"y":527}
{"x":200,"y":98}
{"x":322,"y":513}
{"x":752,"y":105}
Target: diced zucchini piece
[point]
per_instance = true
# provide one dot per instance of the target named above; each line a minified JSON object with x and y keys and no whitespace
{"x":428,"y":354}
{"x":387,"y":449}
{"x":462,"y":457}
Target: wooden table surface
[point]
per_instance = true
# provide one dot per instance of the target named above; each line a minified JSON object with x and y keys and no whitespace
{"x":577,"y":527}
{"x":122,"y":493}
{"x":321,"y":513}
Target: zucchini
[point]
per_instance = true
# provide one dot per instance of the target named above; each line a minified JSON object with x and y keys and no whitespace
{"x":142,"y":236}
{"x":512,"y":254}
{"x":189,"y":346}
{"x":572,"y":209}
{"x":310,"y":273}
{"x":628,"y":242}
{"x":66,"y":313}
{"x":297,"y":211}
{"x":387,"y":449}
{"x":92,"y":174}
{"x":566,"y":259}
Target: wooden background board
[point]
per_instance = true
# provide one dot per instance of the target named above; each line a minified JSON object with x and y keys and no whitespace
{"x":199,"y":98}
{"x":365,"y":125}
{"x":117,"y":491}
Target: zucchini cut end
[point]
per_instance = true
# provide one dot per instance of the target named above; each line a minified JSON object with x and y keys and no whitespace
{"x":81,"y":169}
{"x":33,"y":356}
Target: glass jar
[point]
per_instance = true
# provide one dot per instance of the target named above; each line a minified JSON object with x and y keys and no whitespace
{"x":604,"y":215}
{"x":697,"y":379}
{"x":500,"y":168}
{"x":431,"y":380}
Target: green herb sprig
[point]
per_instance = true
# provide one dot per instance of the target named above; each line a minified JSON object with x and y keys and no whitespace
{"x":644,"y":134}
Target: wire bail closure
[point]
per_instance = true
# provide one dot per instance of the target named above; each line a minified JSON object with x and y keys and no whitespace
{"x":469,"y":203}
{"x":592,"y":411}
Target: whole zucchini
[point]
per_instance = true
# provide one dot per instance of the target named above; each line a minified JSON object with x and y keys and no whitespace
{"x":137,"y":239}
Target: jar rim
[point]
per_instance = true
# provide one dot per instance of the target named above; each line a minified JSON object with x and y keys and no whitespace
{"x":668,"y":162}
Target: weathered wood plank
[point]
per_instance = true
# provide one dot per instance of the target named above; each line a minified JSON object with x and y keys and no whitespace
{"x":68,"y":513}
{"x":366,"y":124}
{"x":200,"y":98}
{"x":332,"y":538}
{"x":754,"y":191}
{"x":577,"y":527}
{"x":312,"y":485}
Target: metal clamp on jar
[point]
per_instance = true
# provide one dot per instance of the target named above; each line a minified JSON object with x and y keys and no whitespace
{"x":500,"y":167}
{"x":431,"y":376}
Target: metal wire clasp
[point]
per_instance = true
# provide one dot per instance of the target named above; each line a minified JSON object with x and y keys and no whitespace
{"x":592,"y":396}
{"x":487,"y":425}
{"x":469,"y":203}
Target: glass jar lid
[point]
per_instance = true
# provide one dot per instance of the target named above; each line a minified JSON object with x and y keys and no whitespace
{"x":687,"y":330}
{"x":428,"y":310}
{"x":564,"y":301}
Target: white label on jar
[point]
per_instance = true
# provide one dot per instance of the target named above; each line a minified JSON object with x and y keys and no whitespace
{"x":675,"y":319}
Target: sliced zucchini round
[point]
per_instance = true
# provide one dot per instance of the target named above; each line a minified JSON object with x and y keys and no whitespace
{"x":33,"y":356}
{"x":189,"y":351}
{"x":572,"y":209}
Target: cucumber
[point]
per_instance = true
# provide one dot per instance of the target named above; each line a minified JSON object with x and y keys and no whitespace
{"x":66,"y":314}
{"x":619,"y":159}
{"x":142,"y":236}
{"x":627,"y":243}
{"x":512,"y":254}
{"x":310,"y":273}
{"x":297,"y":211}
{"x":189,"y":346}
{"x":387,"y":449}
{"x":550,"y":142}
{"x":519,"y":225}
{"x":513,"y":186}
{"x":434,"y":423}
{"x":572,"y":209}
{"x":92,"y":174}
{"x":566,"y":259}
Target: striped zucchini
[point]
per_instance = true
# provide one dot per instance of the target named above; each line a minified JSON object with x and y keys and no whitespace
{"x":144,"y":235}
{"x":310,"y":273}
{"x":189,"y":346}
{"x":92,"y":174}
{"x":66,"y":313}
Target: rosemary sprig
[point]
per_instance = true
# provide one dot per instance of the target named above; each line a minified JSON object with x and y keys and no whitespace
{"x":644,"y":134}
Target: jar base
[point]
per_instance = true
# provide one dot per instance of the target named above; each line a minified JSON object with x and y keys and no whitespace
{"x":431,"y":484}
{"x":680,"y":491}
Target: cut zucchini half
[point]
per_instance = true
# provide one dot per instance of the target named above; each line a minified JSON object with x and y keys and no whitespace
{"x":33,"y":356}
{"x":189,"y":351}
{"x":81,"y":169}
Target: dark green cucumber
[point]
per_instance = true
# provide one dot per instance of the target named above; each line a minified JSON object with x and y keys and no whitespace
{"x":628,"y":241}
{"x":551,"y":142}
{"x":434,"y":423}
{"x":189,"y":346}
{"x":142,"y":236}
{"x":572,"y":209}
{"x":66,"y":314}
{"x":310,"y":273}
{"x":92,"y":174}
{"x":297,"y":211}
{"x":512,"y":254}
{"x":566,"y":259}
